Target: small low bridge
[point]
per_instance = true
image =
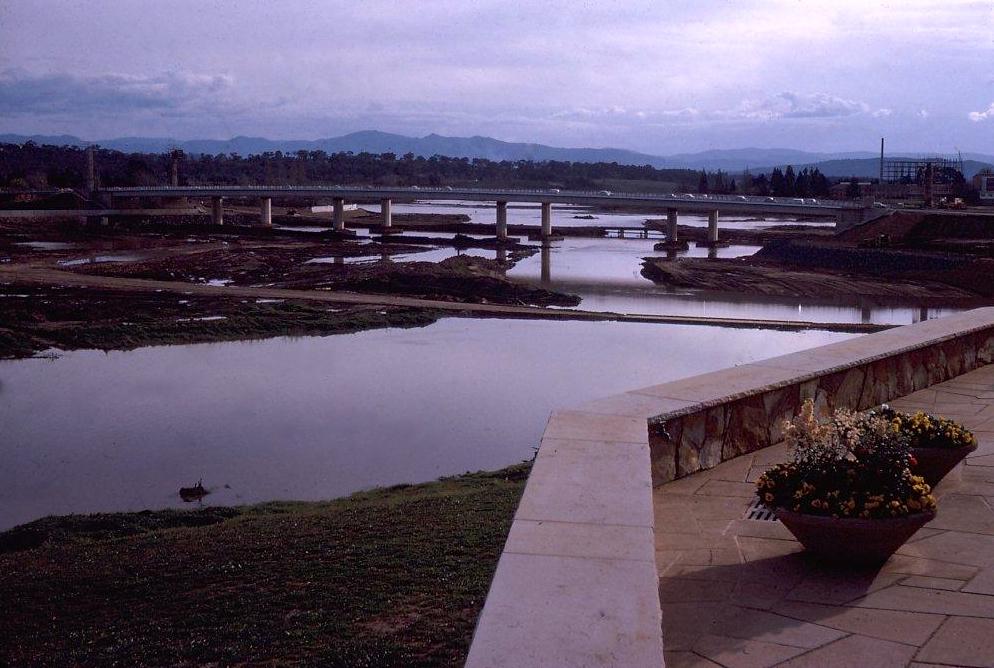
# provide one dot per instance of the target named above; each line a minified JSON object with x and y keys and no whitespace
{"x":845,"y":213}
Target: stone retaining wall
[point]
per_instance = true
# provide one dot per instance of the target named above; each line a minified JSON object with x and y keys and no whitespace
{"x":576,"y":584}
{"x":739,"y":410}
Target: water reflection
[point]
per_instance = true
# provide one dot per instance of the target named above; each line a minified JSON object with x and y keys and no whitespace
{"x":315,"y":418}
{"x":606,"y":274}
{"x":578,"y":216}
{"x":663,"y":301}
{"x":616,"y":262}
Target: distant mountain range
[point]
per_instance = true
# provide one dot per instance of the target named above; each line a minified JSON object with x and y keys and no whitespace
{"x":862,"y":164}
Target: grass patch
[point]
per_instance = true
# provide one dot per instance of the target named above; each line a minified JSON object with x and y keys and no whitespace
{"x":389,"y":577}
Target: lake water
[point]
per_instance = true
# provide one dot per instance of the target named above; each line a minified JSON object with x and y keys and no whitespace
{"x":318,"y":417}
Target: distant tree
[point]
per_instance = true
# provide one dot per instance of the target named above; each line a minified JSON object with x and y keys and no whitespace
{"x":789,"y":181}
{"x":802,"y":186}
{"x":702,"y":183}
{"x":760,"y":185}
{"x":777,"y":184}
{"x":818,"y":184}
{"x":718,"y":182}
{"x":731,"y":186}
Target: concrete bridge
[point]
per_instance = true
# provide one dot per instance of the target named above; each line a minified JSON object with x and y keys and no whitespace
{"x":845,"y":213}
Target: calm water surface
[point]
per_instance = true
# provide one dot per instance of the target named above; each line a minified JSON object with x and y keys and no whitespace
{"x":566,"y":216}
{"x":315,"y":418}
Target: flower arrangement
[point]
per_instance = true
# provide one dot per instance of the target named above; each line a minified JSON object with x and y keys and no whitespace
{"x":854,"y":465}
{"x":929,"y":431}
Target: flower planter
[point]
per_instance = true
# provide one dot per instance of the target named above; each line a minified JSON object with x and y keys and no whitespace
{"x":934,"y":463}
{"x":852,"y":541}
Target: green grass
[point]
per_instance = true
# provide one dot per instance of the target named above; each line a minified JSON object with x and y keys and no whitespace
{"x":390,"y":577}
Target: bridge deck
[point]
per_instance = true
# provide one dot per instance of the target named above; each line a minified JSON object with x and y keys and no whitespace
{"x":684,"y":202}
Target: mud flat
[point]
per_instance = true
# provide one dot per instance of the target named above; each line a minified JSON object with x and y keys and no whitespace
{"x":38,"y":318}
{"x":800,"y":269}
{"x":34,"y":318}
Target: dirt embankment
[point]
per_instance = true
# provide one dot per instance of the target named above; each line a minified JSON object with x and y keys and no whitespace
{"x":963,"y":233}
{"x":466,"y":278}
{"x":751,"y":237}
{"x":807,"y":269}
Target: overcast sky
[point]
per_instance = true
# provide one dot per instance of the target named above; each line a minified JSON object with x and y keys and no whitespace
{"x":656,"y":76}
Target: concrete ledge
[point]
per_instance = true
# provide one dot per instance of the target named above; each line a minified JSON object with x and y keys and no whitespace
{"x":577,"y":583}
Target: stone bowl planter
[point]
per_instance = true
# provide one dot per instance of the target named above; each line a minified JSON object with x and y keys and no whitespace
{"x":852,"y":541}
{"x":934,"y":463}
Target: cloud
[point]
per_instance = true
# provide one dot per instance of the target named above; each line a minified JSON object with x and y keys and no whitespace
{"x":977,"y":116}
{"x":797,"y":105}
{"x":923,"y":114}
{"x":24,"y":93}
{"x":786,"y":105}
{"x":620,"y":114}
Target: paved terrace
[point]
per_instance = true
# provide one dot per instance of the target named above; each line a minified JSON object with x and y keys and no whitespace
{"x":630,"y":543}
{"x":739,"y":592}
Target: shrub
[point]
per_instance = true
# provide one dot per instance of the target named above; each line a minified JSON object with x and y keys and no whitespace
{"x":929,"y":431}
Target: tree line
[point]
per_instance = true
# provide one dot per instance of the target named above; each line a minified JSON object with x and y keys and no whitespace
{"x":33,"y":166}
{"x":780,"y":183}
{"x":38,"y":166}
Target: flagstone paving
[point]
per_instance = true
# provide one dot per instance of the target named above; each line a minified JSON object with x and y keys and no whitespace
{"x":739,"y":592}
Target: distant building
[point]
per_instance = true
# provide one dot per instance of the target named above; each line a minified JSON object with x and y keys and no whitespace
{"x":841,"y":189}
{"x":984,"y":183}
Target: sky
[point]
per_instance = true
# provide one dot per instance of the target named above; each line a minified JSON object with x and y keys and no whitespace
{"x":657,"y":76}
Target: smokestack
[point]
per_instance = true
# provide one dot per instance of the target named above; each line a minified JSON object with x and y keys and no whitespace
{"x":90,"y":177}
{"x":881,"y":160}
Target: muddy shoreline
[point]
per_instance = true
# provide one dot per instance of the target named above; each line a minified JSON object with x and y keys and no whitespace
{"x":815,"y":268}
{"x":34,"y":318}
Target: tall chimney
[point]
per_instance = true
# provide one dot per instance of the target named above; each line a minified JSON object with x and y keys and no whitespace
{"x":90,"y":175}
{"x":881,"y":160}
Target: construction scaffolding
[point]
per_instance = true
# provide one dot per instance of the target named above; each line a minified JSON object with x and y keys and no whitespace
{"x":927,"y":177}
{"x":915,"y":170}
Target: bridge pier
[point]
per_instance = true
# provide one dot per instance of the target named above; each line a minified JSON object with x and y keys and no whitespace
{"x":546,"y":222}
{"x":502,"y":221}
{"x":217,"y":210}
{"x":338,"y":217}
{"x":266,"y":211}
{"x":672,"y":242}
{"x":712,"y":228}
{"x":546,"y":264}
{"x":386,"y":214}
